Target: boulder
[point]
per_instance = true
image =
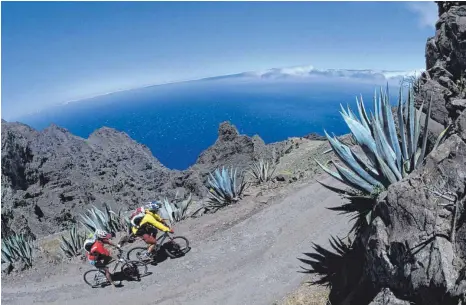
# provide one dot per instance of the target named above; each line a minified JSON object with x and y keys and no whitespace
{"x":386,"y":297}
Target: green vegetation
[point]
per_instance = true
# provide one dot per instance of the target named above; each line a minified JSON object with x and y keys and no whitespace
{"x":106,"y":220}
{"x":74,"y":245}
{"x":225,"y":187}
{"x":384,"y":154}
{"x":385,"y":157}
{"x":177,"y":211}
{"x":262,"y":171}
{"x":17,"y":247}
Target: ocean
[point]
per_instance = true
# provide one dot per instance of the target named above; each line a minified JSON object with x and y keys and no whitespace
{"x":178,"y":121}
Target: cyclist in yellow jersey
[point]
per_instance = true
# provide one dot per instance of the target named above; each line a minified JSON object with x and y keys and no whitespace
{"x":146,"y":224}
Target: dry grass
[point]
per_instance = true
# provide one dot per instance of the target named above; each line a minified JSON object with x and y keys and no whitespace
{"x":306,"y":295}
{"x":50,"y":245}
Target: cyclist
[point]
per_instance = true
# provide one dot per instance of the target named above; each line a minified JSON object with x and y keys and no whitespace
{"x":97,"y":254}
{"x":145,"y":225}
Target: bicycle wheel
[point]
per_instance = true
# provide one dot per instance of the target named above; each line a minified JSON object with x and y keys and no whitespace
{"x":95,"y":278}
{"x":177,"y":246}
{"x":135,"y":253}
{"x":134,"y":269}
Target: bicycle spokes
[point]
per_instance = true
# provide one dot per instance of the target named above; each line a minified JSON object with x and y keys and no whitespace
{"x":100,"y":279}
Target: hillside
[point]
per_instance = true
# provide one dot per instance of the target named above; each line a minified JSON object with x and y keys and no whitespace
{"x":50,"y":177}
{"x":410,"y":247}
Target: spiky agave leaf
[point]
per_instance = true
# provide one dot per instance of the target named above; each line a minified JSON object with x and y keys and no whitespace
{"x":166,"y":210}
{"x":180,"y":213}
{"x":73,"y":246}
{"x":18,"y":247}
{"x":424,"y":140}
{"x":107,"y":220}
{"x":351,"y":160}
{"x":176,"y":211}
{"x":442,"y":136}
{"x":388,"y":158}
{"x":225,"y":186}
{"x":262,"y":171}
{"x":390,"y":131}
{"x":380,"y":144}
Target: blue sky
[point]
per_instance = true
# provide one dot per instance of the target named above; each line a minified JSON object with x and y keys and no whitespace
{"x":54,"y":52}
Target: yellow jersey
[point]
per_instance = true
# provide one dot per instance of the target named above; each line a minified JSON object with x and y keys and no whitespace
{"x":152,"y":219}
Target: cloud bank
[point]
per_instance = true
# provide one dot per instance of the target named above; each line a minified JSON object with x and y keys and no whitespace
{"x":427,"y":13}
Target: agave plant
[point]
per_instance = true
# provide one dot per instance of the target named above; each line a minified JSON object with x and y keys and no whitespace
{"x":73,"y":247}
{"x":177,"y":211}
{"x":17,"y":247}
{"x":106,"y":220}
{"x":225,"y":187}
{"x":387,"y":155}
{"x":262,"y":171}
{"x":387,"y":158}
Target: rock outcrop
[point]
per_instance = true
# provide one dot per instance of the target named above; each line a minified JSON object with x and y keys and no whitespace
{"x":445,"y":76}
{"x":315,"y":136}
{"x":49,"y":177}
{"x":416,"y":244}
{"x":231,"y":149}
{"x":414,"y":250}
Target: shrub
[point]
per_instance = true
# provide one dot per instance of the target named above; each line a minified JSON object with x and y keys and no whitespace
{"x":74,"y":246}
{"x":387,"y":156}
{"x":106,"y":220}
{"x":17,"y":247}
{"x":262,"y":171}
{"x":225,"y":187}
{"x":175,"y":212}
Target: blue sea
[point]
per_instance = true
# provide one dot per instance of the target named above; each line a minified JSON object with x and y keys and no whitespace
{"x":178,"y":121}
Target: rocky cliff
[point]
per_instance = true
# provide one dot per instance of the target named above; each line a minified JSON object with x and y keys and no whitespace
{"x":445,"y":76}
{"x":414,"y":250}
{"x":51,"y":176}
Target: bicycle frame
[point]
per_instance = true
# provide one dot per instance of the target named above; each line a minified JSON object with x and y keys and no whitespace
{"x":120,"y":259}
{"x":162,"y":238}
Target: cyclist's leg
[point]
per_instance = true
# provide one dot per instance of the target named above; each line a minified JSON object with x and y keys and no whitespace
{"x":103,"y":263}
{"x":150,"y":237}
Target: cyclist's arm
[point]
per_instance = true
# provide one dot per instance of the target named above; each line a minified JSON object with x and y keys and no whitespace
{"x":160,"y":219}
{"x":157,"y":224}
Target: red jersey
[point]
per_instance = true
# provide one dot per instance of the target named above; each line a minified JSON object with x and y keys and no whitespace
{"x":97,"y":250}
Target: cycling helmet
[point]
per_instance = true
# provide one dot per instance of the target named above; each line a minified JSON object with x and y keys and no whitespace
{"x":153,"y":206}
{"x":88,"y":244}
{"x":101,"y":234}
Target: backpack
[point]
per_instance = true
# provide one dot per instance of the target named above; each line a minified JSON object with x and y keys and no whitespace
{"x":136,"y":212}
{"x":136,"y":220}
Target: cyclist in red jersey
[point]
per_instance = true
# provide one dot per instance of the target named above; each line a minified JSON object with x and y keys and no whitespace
{"x":97,"y":254}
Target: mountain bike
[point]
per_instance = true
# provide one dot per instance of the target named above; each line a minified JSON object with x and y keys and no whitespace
{"x":133,"y":270}
{"x":174,"y":247}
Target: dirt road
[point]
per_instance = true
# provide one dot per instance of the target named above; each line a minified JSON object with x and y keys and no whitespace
{"x":252,"y":261}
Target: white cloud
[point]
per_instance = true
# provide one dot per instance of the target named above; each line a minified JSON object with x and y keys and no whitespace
{"x":427,"y":12}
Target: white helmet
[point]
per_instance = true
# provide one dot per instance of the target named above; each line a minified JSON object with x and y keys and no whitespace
{"x":101,"y":234}
{"x":88,"y":244}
